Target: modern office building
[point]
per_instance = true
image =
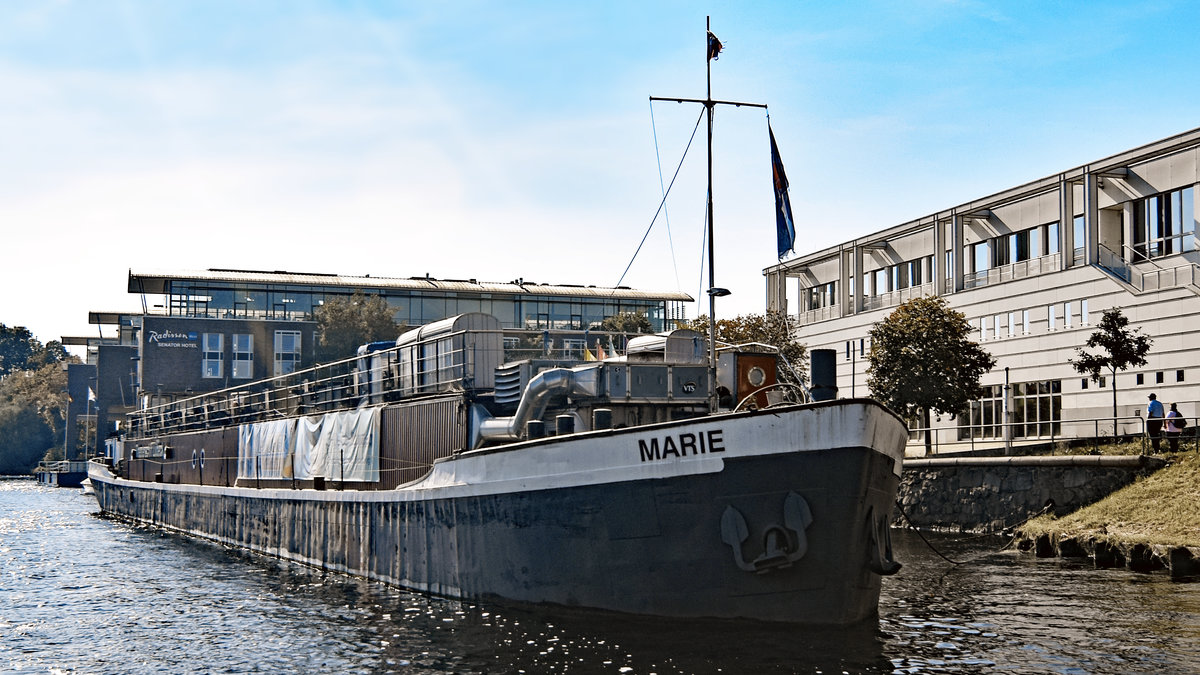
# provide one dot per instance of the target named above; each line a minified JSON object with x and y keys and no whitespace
{"x":200,"y":332}
{"x":1033,"y":268}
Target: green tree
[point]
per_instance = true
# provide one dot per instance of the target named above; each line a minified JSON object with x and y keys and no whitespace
{"x":922,"y":359}
{"x":24,"y":439}
{"x":1121,"y":347}
{"x":772,"y":328}
{"x":627,"y":322}
{"x":17,"y":345}
{"x":344,"y":324}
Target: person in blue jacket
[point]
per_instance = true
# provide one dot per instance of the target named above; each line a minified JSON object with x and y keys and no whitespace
{"x":1154,"y":421}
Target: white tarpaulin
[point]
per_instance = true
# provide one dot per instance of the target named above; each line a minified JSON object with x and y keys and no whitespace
{"x":263,"y":448}
{"x":340,"y":445}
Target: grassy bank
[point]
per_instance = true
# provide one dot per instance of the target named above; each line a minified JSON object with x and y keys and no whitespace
{"x":1163,"y":508}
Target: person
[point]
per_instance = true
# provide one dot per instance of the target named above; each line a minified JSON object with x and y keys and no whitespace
{"x":1175,"y":425}
{"x":1154,"y":421}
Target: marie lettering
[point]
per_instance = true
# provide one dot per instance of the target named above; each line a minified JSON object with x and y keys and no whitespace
{"x":682,"y":445}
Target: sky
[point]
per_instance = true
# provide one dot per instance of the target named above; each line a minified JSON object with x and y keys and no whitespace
{"x":505,"y":140}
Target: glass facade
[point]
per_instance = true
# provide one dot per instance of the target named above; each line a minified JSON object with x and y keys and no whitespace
{"x":229,"y":299}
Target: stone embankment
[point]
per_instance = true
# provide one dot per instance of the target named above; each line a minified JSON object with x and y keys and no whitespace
{"x":995,"y":494}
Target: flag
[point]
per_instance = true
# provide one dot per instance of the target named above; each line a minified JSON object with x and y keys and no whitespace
{"x":587,"y":355}
{"x":600,"y":356}
{"x":91,"y":395}
{"x":714,"y":47}
{"x":785,"y":226}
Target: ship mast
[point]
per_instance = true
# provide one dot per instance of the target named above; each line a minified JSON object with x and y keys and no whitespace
{"x":714,"y":292}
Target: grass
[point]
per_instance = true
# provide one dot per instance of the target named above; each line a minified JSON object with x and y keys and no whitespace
{"x":1162,"y":508}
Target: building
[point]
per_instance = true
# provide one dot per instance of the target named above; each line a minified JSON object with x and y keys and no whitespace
{"x":201,"y":332}
{"x":1032,"y":268}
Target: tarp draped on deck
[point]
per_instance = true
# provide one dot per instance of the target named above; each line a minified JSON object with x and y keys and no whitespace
{"x":341,"y":445}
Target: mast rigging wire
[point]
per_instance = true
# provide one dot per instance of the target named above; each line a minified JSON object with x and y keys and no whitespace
{"x":664,"y":200}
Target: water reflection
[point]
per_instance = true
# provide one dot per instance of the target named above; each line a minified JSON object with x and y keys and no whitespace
{"x":82,"y":594}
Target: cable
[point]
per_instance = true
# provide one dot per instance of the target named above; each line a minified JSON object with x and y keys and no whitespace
{"x":661,"y":203}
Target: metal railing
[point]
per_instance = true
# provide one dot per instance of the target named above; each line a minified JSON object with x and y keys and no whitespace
{"x":1007,"y":435}
{"x":391,"y":374}
{"x":1011,"y":271}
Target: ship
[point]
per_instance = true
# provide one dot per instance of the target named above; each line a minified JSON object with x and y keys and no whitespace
{"x":439,"y":464}
{"x":659,"y":475}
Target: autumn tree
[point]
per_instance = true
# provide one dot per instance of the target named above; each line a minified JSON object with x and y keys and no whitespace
{"x":1121,"y":347}
{"x":344,"y":324}
{"x":922,"y":360}
{"x":772,"y":328}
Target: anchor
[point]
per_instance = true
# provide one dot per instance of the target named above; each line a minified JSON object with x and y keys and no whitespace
{"x":782,"y":545}
{"x":879,"y":548}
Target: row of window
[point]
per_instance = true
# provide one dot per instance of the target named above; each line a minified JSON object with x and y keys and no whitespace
{"x":412,"y":309}
{"x":1063,"y":315}
{"x":1159,"y":378}
{"x":287,"y":354}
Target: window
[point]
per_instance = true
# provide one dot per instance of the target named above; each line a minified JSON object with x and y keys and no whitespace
{"x":1141,"y":379}
{"x":1080,"y":233}
{"x":1012,"y":328}
{"x":1050,"y":238}
{"x":213,"y":355}
{"x":1037,"y":408}
{"x":1083,"y":312}
{"x":1179,"y":376}
{"x":243,"y":356}
{"x":1051,"y":317}
{"x":287,"y":351}
{"x":1067,"y":315}
{"x":1164,"y":224}
{"x":1102,"y":383}
{"x":986,"y":416}
{"x":982,"y":328}
{"x":997,"y":326}
{"x":1025,"y":321}
{"x":1083,"y":384}
{"x":1158,"y":377}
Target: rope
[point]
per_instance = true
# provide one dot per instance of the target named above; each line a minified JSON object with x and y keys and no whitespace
{"x":663,"y":189}
{"x":663,"y":202}
{"x":913,"y":527}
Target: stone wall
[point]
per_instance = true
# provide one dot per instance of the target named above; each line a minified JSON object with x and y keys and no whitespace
{"x":993,"y":494}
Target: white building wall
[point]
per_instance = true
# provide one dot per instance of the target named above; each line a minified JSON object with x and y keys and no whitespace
{"x":1159,"y":296}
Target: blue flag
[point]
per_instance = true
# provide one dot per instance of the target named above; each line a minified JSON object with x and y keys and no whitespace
{"x":785,"y":227}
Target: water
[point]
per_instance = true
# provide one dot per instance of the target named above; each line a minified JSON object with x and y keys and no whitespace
{"x":79,"y":594}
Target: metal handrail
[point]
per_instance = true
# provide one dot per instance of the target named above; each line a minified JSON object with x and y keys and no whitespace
{"x":1127,"y":427}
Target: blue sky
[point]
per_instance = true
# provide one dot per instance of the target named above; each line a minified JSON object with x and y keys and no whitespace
{"x":497,"y":140}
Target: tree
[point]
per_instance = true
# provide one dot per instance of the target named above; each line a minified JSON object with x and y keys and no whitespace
{"x":344,"y":324}
{"x":24,"y":439}
{"x":772,"y":328}
{"x":922,"y":359}
{"x":1122,"y":348}
{"x":627,"y":322}
{"x":20,"y":350}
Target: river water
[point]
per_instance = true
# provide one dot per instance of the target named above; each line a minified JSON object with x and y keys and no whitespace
{"x":81,"y":594}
